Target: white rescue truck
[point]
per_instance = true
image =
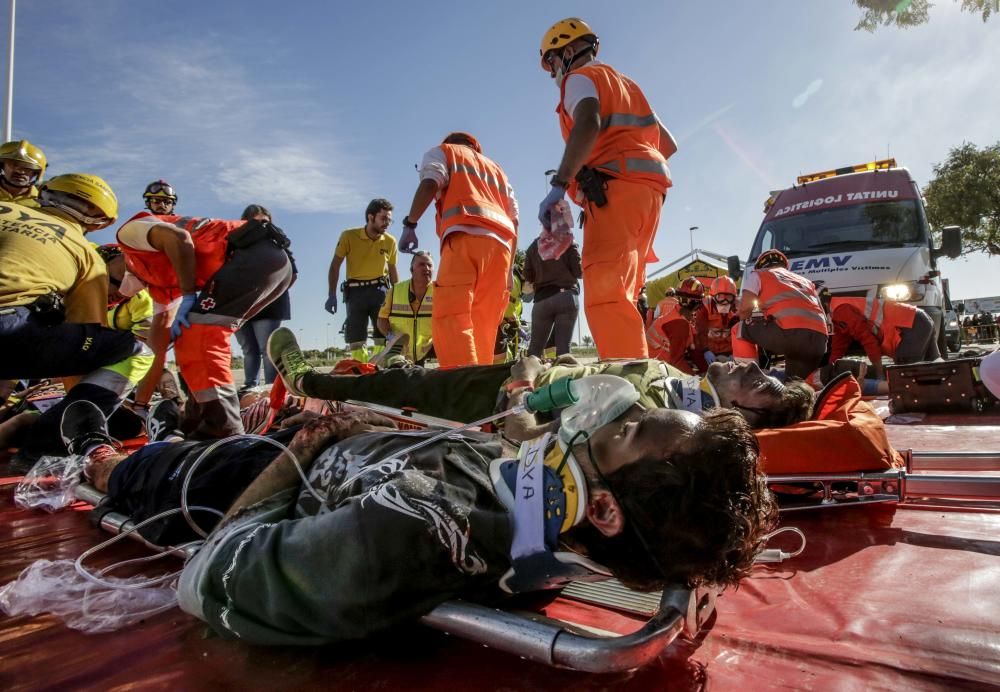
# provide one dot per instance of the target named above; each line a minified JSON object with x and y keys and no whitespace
{"x":862,"y":231}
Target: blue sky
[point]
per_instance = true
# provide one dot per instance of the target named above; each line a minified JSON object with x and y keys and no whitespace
{"x":314,"y":108}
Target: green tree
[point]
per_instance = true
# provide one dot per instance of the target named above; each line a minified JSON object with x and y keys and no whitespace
{"x":588,"y":341}
{"x":906,"y":13}
{"x":965,"y":192}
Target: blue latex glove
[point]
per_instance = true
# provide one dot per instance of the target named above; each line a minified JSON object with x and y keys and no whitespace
{"x":709,"y":357}
{"x":408,"y":241}
{"x":331,"y":304}
{"x":544,"y":209}
{"x":181,"y":319}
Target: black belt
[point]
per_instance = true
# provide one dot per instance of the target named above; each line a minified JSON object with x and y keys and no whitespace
{"x":353,"y":283}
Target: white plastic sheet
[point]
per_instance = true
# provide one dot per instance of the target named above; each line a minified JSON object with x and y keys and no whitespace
{"x":56,"y":587}
{"x":50,"y":483}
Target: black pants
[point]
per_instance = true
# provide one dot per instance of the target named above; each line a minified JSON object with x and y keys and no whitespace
{"x":32,"y":350}
{"x":363,"y":304}
{"x":458,"y":394}
{"x":803,"y":348}
{"x":917,"y":344}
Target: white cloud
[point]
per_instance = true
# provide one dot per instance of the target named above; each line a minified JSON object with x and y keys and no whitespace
{"x":191,"y":114}
{"x":800,"y":100}
{"x":292,"y":178}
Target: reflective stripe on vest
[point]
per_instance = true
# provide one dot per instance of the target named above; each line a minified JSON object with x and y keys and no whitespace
{"x":470,"y":210}
{"x":477,"y":194}
{"x":628,"y":120}
{"x":791,"y":300}
{"x":886,"y":318}
{"x":638,"y":166}
{"x":469,"y":170}
{"x":628,"y":140}
{"x":403,"y":320}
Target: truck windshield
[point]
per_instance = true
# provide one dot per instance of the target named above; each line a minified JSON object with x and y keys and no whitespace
{"x":878,"y":224}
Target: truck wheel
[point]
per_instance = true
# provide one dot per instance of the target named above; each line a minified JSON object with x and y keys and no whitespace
{"x":955,"y":345}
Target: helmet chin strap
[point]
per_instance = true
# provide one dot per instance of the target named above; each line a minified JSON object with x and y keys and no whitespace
{"x":559,"y":74}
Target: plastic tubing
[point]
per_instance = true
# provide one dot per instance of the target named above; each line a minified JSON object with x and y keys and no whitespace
{"x":520,"y":408}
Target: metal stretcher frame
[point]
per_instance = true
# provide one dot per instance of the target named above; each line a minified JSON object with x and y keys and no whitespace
{"x":913,"y":483}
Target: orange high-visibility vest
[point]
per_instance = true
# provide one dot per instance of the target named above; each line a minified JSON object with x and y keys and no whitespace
{"x":628,"y":145}
{"x":790,"y":300}
{"x":476,"y":195}
{"x":717,"y":336}
{"x":210,"y":237}
{"x":660,"y":345}
{"x":887,"y":318}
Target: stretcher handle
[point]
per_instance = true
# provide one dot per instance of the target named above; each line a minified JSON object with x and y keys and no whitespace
{"x":547,"y":641}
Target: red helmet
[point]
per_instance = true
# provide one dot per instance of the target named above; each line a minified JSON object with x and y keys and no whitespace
{"x":722,"y":284}
{"x":771,"y":258}
{"x":691,"y":288}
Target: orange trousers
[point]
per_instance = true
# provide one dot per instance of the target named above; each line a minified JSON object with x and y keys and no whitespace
{"x":617,"y":241}
{"x":470,"y":296}
{"x":744,"y":350}
{"x":204,"y":359}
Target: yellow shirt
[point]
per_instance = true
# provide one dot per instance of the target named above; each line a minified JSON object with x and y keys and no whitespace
{"x":134,"y":315}
{"x":366,"y":259}
{"x":45,"y":254}
{"x":28,"y":200}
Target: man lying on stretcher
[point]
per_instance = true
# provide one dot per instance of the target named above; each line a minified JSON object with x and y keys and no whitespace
{"x":471,"y":393}
{"x":384,"y":532}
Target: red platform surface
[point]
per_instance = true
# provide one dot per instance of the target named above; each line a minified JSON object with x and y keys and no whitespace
{"x":880,"y":599}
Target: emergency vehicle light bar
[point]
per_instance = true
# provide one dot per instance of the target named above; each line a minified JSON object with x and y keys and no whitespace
{"x":881,"y":165}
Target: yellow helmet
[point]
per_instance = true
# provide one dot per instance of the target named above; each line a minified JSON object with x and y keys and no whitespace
{"x":66,"y":191}
{"x":26,"y":154}
{"x":564,"y":33}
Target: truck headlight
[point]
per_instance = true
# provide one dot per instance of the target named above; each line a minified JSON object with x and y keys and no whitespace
{"x":902,"y":292}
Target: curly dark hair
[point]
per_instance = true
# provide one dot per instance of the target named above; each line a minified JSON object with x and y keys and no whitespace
{"x":703,"y":511}
{"x":795,"y":404}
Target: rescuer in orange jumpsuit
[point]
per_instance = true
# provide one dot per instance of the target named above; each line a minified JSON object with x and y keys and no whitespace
{"x":713,"y":327}
{"x":883,"y":328}
{"x":477,"y":224}
{"x":214,"y":274}
{"x":615,"y":167}
{"x":671,"y":335}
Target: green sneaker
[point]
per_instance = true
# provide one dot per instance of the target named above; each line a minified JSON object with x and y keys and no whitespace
{"x":284,"y":352}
